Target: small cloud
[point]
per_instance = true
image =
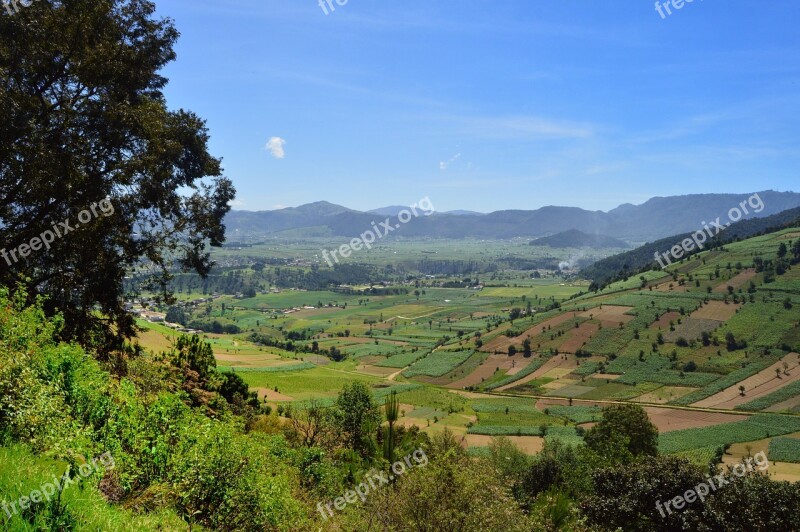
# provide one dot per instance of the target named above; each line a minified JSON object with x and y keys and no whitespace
{"x":445,"y":164}
{"x":275,"y":147}
{"x":236,"y":203}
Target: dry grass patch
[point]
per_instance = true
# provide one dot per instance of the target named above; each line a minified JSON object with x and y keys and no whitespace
{"x":527,"y":444}
{"x":716,"y":310}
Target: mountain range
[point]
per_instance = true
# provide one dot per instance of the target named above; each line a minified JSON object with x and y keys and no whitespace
{"x":654,"y":219}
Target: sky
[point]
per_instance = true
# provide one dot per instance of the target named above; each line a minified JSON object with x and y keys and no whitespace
{"x":491,"y":105}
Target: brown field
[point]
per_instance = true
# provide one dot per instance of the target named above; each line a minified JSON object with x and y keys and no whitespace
{"x":670,"y":286}
{"x":762,"y":383}
{"x":716,"y":310}
{"x":737,"y":281}
{"x":272,"y":395}
{"x":577,"y":338}
{"x":154,"y":341}
{"x":374,"y":370}
{"x":691,"y":329}
{"x":253,"y":361}
{"x":663,"y":321}
{"x":502,"y":342}
{"x":489,"y":366}
{"x":558,"y":361}
{"x":526,"y":444}
{"x":669,"y":419}
{"x":609,"y":315}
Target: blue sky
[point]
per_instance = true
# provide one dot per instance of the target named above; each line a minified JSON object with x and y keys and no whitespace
{"x":491,"y":105}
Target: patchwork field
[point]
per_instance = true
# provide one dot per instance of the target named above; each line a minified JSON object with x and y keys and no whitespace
{"x":448,"y":341}
{"x":763,"y":383}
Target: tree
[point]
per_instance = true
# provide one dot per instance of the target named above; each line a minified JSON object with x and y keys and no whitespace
{"x":310,"y":423}
{"x":392,"y":408}
{"x":512,"y":350}
{"x":526,"y":348}
{"x":782,"y":250}
{"x":357,"y":416}
{"x":629,"y":421}
{"x":87,"y":140}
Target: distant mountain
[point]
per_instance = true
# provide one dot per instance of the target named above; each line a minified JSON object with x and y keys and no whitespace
{"x":652,"y":220}
{"x":394,"y":210}
{"x":464,"y":213}
{"x":578,"y":239}
{"x":641,"y":258}
{"x":391,"y":210}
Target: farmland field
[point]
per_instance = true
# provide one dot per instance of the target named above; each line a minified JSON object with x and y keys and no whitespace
{"x":444,"y":333}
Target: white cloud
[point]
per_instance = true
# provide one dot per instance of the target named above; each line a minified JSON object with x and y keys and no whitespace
{"x":275,"y":146}
{"x":236,"y":203}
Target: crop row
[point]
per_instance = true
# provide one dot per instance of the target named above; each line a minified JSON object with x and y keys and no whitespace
{"x":724,"y":382}
{"x":778,"y":396}
{"x":758,"y":427}
{"x":527,"y":370}
{"x":438,"y":363}
{"x":785,"y":450}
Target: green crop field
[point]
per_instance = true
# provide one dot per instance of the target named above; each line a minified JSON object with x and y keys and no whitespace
{"x":784,"y":450}
{"x":438,"y":363}
{"x":757,"y":427}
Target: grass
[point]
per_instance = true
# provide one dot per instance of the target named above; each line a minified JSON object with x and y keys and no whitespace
{"x":272,"y":369}
{"x":83,"y":508}
{"x":308,"y":384}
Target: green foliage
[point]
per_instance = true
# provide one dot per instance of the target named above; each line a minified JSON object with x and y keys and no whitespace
{"x":357,"y":416}
{"x":161,"y":194}
{"x":627,"y":421}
